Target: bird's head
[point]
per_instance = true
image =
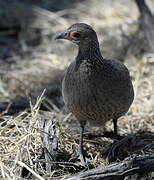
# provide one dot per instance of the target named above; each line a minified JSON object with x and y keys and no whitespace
{"x":79,"y":33}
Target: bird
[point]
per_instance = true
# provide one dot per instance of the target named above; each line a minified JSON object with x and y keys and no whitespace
{"x":94,"y":89}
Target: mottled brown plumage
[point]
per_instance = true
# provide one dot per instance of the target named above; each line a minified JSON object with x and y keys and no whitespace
{"x":94,"y":89}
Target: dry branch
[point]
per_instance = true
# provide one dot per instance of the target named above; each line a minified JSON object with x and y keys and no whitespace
{"x":50,"y":143}
{"x":129,"y":166}
{"x":146,"y":22}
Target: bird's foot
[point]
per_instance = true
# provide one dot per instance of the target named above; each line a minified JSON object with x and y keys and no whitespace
{"x":82,"y":159}
{"x":106,"y":134}
{"x":112,"y":152}
{"x":80,"y":156}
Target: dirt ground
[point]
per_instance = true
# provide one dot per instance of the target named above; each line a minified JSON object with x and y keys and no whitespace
{"x":31,"y":62}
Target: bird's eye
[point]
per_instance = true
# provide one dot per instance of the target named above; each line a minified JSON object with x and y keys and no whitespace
{"x":75,"y":34}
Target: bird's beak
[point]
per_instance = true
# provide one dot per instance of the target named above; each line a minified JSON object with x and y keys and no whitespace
{"x":62,"y":35}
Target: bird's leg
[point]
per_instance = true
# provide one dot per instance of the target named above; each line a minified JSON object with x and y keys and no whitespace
{"x":115,"y":127}
{"x":81,"y":151}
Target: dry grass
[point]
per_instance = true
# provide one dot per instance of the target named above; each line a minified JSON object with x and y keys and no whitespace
{"x":21,"y":142}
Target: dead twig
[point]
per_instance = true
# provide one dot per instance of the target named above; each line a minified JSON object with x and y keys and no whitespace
{"x":129,"y":166}
{"x":50,"y":142}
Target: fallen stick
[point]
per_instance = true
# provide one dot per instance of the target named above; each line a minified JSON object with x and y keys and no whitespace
{"x":118,"y":171}
{"x":50,"y":143}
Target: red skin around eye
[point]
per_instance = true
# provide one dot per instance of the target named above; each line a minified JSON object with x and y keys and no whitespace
{"x":72,"y":36}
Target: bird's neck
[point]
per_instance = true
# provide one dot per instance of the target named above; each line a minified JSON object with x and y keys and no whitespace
{"x":90,"y":51}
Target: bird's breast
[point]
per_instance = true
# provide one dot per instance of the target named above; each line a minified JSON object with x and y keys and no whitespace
{"x":76,"y":85}
{"x":80,"y":92}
